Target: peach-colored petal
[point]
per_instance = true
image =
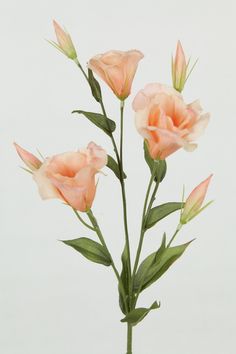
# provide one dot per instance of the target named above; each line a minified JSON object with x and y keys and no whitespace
{"x":165,"y":143}
{"x":79,"y":191}
{"x":150,"y":92}
{"x":198,"y":128}
{"x":45,"y":187}
{"x":29,"y":159}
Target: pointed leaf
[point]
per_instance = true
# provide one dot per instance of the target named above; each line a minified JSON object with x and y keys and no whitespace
{"x":158,"y":265}
{"x":137,"y":315}
{"x":124,"y":281}
{"x":91,"y":250}
{"x":162,"y":167}
{"x":160,"y":212}
{"x":106,"y":124}
{"x":112,"y":164}
{"x":95,"y":87}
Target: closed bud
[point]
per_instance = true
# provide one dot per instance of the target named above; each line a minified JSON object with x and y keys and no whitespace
{"x":64,"y":42}
{"x":192,"y":206}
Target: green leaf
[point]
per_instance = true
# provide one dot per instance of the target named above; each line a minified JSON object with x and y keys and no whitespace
{"x":124,"y":281}
{"x":162,"y":167}
{"x":95,"y":87}
{"x":160,"y":212}
{"x":91,"y":250}
{"x":106,"y":124}
{"x":157,"y":265}
{"x":137,"y":315}
{"x":112,"y":164}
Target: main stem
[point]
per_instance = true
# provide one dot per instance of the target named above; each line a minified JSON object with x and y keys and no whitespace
{"x":129,"y":338}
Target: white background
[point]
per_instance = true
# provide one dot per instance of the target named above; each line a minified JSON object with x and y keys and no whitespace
{"x":53,"y":301}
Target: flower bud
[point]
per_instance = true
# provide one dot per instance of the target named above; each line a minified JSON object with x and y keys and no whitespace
{"x":29,"y":159}
{"x":192,"y":206}
{"x":65,"y":44}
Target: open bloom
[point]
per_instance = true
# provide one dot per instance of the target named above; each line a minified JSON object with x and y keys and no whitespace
{"x":166,"y":121}
{"x":192,"y":206}
{"x":71,"y":176}
{"x":65,"y":44}
{"x":117,"y":69}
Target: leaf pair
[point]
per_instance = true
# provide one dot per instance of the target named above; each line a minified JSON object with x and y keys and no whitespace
{"x":91,"y":250}
{"x":156,"y":264}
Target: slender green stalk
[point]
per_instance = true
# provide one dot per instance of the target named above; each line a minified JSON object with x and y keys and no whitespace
{"x":129,"y":338}
{"x":81,"y":220}
{"x":142,"y":231}
{"x":173,"y":237}
{"x":82,"y":70}
{"x":124,"y":194}
{"x":101,"y":238}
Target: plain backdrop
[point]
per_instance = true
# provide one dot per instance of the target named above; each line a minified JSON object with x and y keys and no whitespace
{"x":52,"y":300}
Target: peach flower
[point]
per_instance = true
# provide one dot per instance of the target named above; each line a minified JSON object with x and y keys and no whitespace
{"x":71,"y":176}
{"x":117,"y":69}
{"x":166,"y":121}
{"x":194,"y":202}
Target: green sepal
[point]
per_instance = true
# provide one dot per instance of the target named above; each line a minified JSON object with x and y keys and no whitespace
{"x":106,"y":124}
{"x":112,"y":164}
{"x":137,"y":315}
{"x":160,"y":212}
{"x":156,"y":264}
{"x":95,"y":87}
{"x":91,"y":250}
{"x":160,"y":169}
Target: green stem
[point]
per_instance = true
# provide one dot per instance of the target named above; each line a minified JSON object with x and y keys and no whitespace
{"x":82,"y":70}
{"x":142,"y":231}
{"x":81,"y":220}
{"x":101,"y":238}
{"x":122,"y":103}
{"x":173,"y":237}
{"x":129,"y":338}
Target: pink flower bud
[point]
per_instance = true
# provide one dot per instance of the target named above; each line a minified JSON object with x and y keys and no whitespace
{"x":29,"y":159}
{"x":194,"y":202}
{"x":117,"y":69}
{"x":65,"y":44}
